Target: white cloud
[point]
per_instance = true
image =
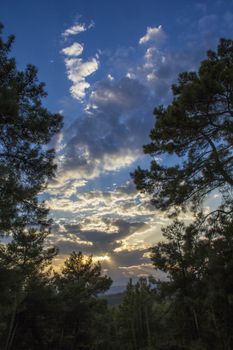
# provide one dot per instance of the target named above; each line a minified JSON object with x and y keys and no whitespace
{"x":142,"y":270}
{"x":110,"y":77}
{"x":117,"y":116}
{"x":77,"y":72}
{"x":84,"y":166}
{"x":75,"y":49}
{"x":123,"y":202}
{"x":151,"y":76}
{"x":74,"y":30}
{"x":99,"y":224}
{"x":152,"y":34}
{"x":77,"y":69}
{"x":65,"y":187}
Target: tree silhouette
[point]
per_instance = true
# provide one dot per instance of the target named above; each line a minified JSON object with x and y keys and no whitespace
{"x":197,"y":130}
{"x":26,"y":127}
{"x":79,"y":285}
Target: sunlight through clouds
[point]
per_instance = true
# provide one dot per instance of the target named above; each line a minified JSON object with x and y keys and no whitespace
{"x":103,"y":142}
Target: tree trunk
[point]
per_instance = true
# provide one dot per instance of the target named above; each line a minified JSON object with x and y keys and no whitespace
{"x":11,"y":331}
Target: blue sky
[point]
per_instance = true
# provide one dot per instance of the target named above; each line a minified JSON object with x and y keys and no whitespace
{"x":106,"y":65}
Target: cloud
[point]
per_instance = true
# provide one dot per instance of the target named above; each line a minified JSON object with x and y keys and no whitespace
{"x":75,"y":50}
{"x":123,"y":202}
{"x":108,"y":136}
{"x":117,"y":114}
{"x":142,"y":270}
{"x":77,"y":69}
{"x":77,"y":72}
{"x":71,"y":236}
{"x":106,"y":139}
{"x":153,"y":34}
{"x":101,"y":222}
{"x":117,"y":117}
{"x":76,"y":29}
{"x":118,"y":225}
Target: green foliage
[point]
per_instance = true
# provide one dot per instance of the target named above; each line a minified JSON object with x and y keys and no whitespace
{"x":83,"y":274}
{"x":79,"y":285}
{"x":199,"y":287}
{"x":196,"y":129}
{"x":43,"y":311}
{"x":136,"y":317}
{"x":23,"y":272}
{"x":26,"y":252}
{"x":26,"y":165}
{"x":195,"y":301}
{"x":25,"y":128}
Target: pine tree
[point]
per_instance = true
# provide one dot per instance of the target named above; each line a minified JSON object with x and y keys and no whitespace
{"x":26,"y":127}
{"x":196,"y":129}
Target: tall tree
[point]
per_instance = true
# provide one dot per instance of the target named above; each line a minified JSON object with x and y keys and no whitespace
{"x":79,"y":284}
{"x":24,"y":280}
{"x":182,"y":257}
{"x":26,"y":127}
{"x":199,"y":287}
{"x":136,"y":317}
{"x":26,"y":166}
{"x":196,"y":129}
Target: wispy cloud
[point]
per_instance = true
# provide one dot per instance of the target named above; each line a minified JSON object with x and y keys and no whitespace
{"x":76,"y":29}
{"x":78,"y":69}
{"x":152,"y":34}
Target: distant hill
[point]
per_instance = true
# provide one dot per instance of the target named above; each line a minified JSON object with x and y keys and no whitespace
{"x":116,"y":289}
{"x":114,"y":299}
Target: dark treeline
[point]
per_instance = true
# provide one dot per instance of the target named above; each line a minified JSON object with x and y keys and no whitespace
{"x":192,"y":308}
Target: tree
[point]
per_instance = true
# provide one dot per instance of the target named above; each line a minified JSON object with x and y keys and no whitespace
{"x":199,"y":288}
{"x":24,"y":271}
{"x":26,"y":127}
{"x":79,"y":285}
{"x":26,"y":166}
{"x":136,"y":317}
{"x":219,"y":283}
{"x":196,"y":129}
{"x":27,"y":253}
{"x":182,"y":257}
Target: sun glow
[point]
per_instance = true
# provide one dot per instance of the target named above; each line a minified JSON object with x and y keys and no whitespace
{"x":102,"y":258}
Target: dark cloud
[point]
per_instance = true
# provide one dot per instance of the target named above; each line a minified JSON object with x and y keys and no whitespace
{"x":129,"y":258}
{"x":69,"y":237}
{"x":118,"y":120}
{"x":65,"y":247}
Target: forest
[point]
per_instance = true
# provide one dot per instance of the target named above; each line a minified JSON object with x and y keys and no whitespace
{"x":192,"y":307}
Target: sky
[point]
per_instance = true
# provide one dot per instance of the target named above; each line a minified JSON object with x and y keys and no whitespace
{"x":106,"y":65}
